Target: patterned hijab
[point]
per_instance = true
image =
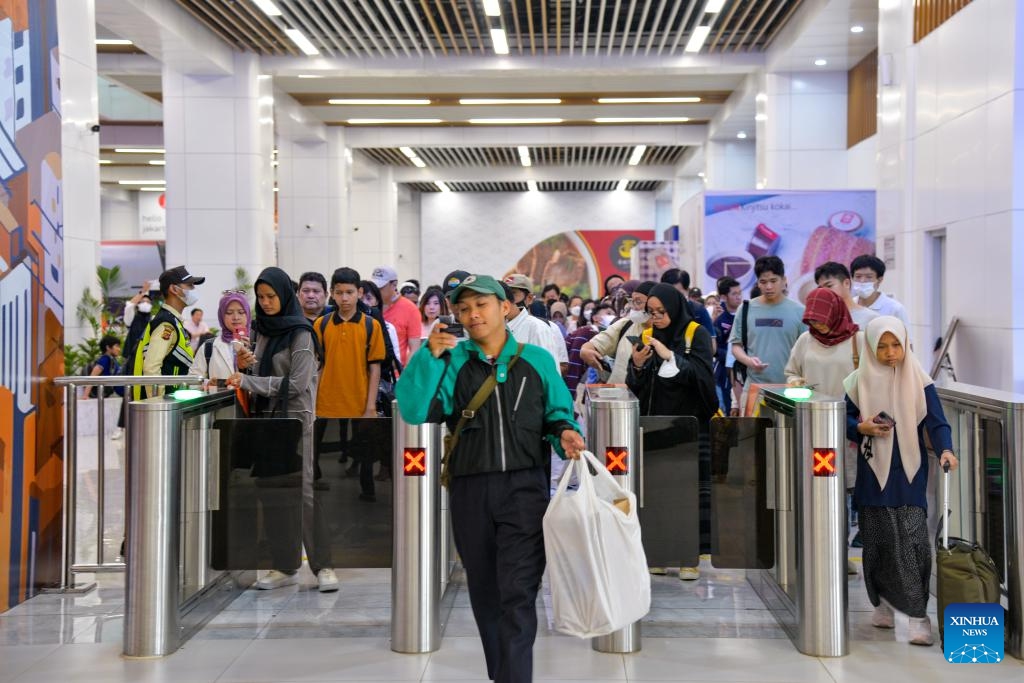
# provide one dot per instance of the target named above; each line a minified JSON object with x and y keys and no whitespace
{"x":898,"y":391}
{"x":228,"y":334}
{"x":828,"y":308}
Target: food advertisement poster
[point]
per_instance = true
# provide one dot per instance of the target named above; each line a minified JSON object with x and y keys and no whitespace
{"x":804,"y":229}
{"x":579,"y":261}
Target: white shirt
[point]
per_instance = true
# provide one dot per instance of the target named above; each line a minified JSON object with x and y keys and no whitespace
{"x":862,"y":316}
{"x":530,"y":330}
{"x":886,"y":305}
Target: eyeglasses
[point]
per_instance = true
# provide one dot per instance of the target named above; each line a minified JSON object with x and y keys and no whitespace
{"x":234,"y":291}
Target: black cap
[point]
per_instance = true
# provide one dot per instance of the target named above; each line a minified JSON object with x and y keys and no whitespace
{"x":178,"y":276}
{"x":453,"y":280}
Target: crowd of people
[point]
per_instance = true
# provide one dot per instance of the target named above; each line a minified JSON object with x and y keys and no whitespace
{"x":346,"y":349}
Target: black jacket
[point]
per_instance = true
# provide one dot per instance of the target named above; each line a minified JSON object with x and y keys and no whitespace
{"x":691,"y":392}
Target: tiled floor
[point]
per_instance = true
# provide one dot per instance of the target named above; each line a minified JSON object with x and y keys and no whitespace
{"x":714,"y":629}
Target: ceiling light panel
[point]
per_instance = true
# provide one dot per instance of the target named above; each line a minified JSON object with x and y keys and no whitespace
{"x":500,"y":41}
{"x":268,"y":7}
{"x":492,"y":8}
{"x":638,"y":154}
{"x":497,"y":100}
{"x":697,"y":38}
{"x":301,"y":41}
{"x":514,"y":122}
{"x":384,"y":101}
{"x":390,"y":122}
{"x":648,"y":100}
{"x":642,"y":119}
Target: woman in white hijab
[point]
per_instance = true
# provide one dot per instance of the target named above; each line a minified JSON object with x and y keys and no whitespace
{"x":890,"y":401}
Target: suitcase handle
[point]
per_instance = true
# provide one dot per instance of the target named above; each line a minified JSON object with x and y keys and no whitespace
{"x":945,"y":505}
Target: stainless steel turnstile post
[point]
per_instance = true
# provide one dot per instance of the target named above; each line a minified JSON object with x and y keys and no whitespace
{"x":613,"y":432}
{"x":416,"y":571}
{"x":809,"y":464}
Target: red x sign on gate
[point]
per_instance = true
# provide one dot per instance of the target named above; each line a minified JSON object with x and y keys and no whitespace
{"x":616,"y":460}
{"x":824,"y":462}
{"x":415,"y":462}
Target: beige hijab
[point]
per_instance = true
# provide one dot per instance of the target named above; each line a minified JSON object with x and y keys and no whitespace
{"x":898,"y":391}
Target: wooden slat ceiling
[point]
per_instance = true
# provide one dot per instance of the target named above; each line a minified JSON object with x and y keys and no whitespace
{"x":553,"y":186}
{"x":414,"y":28}
{"x":457,"y":157}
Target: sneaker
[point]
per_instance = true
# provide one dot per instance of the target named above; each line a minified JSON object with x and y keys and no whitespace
{"x":327,"y":581}
{"x":856,"y":542}
{"x":275,"y":579}
{"x":921,"y":631}
{"x":851,"y":568}
{"x":689,"y":573}
{"x":368,"y":497}
{"x":657,"y":571}
{"x":882,"y":616}
{"x":117,"y":435}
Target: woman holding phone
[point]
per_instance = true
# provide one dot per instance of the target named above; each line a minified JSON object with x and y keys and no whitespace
{"x":229,"y":352}
{"x":890,"y":402}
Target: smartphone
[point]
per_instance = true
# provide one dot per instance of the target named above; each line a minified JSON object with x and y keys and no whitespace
{"x":452,"y":327}
{"x":635,"y":341}
{"x":885,"y":418}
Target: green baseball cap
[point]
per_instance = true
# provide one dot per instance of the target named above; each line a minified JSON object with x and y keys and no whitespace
{"x":482,"y":284}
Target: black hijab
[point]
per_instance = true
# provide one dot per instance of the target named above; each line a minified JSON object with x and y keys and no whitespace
{"x":278,"y":328}
{"x":673,"y":336}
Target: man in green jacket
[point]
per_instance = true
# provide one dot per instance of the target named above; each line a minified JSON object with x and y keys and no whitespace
{"x":499,"y":489}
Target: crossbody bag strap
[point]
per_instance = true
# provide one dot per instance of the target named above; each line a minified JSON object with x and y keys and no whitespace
{"x":856,"y":353}
{"x":469,"y":412}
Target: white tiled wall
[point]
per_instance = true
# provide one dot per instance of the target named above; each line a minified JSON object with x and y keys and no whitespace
{"x":731,"y":165}
{"x":489,"y":232}
{"x":76,"y":25}
{"x":951,"y":158}
{"x":120,"y":216}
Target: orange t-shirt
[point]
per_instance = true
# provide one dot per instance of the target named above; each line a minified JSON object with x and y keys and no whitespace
{"x":345,"y":380}
{"x":405,"y":316}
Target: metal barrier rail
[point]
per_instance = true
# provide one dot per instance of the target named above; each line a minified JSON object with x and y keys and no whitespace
{"x":70,"y":491}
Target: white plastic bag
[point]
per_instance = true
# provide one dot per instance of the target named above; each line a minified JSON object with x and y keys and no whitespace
{"x":597,"y":568}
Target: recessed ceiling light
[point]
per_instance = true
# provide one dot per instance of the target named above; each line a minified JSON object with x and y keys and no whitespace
{"x":500,"y":41}
{"x":441,"y":185}
{"x":383,"y":101}
{"x":301,"y":41}
{"x":637,"y":155}
{"x":157,"y":162}
{"x":524,"y":156}
{"x":113,"y":41}
{"x":820,"y":62}
{"x":512,"y":122}
{"x":697,"y":38}
{"x":418,"y":163}
{"x":741,"y":135}
{"x":531,"y":185}
{"x":621,"y":186}
{"x":648,"y":100}
{"x":857,"y":29}
{"x":509,"y":100}
{"x":141,"y":182}
{"x":492,"y":8}
{"x":388,"y":122}
{"x":106,"y":161}
{"x":139,"y":150}
{"x":309,"y":76}
{"x":642,"y":119}
{"x":153,"y":189}
{"x":700,"y":174}
{"x":714,"y":6}
{"x":407,"y":151}
{"x":761,"y":117}
{"x":268,"y":7}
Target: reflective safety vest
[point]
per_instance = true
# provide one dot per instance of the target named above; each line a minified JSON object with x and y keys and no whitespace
{"x":177,"y":362}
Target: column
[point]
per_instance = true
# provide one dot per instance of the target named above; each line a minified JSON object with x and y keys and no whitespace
{"x":409,"y":247}
{"x":218,"y":132}
{"x":373,"y":213}
{"x":730,"y":165}
{"x":801,"y":131}
{"x":80,"y":152}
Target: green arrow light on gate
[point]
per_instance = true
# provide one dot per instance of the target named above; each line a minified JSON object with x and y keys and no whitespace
{"x":798,"y":393}
{"x":187,"y":394}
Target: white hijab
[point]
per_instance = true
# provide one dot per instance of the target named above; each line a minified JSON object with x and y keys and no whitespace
{"x":898,"y":391}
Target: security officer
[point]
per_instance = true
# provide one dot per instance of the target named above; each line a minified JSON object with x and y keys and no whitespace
{"x":499,"y":489}
{"x":164,"y":348}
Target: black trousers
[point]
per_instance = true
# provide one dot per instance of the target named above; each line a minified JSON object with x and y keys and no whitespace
{"x":496,"y":519}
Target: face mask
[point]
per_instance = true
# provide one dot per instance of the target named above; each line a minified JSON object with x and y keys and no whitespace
{"x":863,"y":289}
{"x":575,"y":311}
{"x":190,"y":297}
{"x":145,"y":308}
{"x":521,"y":305}
{"x":605,"y":320}
{"x":639,"y":317}
{"x":587,"y":313}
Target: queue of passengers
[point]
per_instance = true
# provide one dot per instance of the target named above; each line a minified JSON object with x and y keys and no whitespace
{"x":345,"y":349}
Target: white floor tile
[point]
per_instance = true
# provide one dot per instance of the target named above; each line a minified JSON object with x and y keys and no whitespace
{"x":723,"y":659}
{"x":15,"y":659}
{"x":324,"y":659}
{"x":892,"y":661}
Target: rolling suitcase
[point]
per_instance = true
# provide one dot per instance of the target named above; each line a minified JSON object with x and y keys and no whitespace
{"x":964,"y":571}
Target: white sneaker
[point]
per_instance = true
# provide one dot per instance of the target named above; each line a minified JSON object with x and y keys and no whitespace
{"x":851,"y":568}
{"x":689,"y":573}
{"x":921,"y":631}
{"x":883,"y":616}
{"x":657,"y":571}
{"x":117,"y":435}
{"x":327,"y":580}
{"x":275,"y":579}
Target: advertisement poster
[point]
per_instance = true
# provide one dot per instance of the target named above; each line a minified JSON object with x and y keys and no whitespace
{"x":579,"y":261}
{"x":152,"y":215}
{"x":804,"y":229}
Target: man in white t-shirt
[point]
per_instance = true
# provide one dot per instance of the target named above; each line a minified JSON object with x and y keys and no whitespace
{"x":835,"y":276}
{"x":868,"y":273}
{"x":529,"y":329}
